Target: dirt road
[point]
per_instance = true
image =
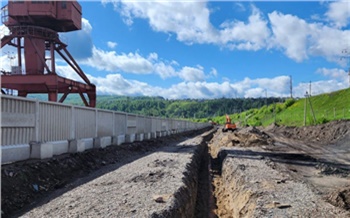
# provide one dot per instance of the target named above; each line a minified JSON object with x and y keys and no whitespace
{"x":254,"y":172}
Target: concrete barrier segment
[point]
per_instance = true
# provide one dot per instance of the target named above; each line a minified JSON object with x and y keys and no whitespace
{"x":147,"y":136}
{"x":59,"y":147}
{"x":40,"y":150}
{"x":13,"y":153}
{"x":118,"y":140}
{"x":102,"y":142}
{"x":139,"y":137}
{"x":130,"y":138}
{"x":153,"y":135}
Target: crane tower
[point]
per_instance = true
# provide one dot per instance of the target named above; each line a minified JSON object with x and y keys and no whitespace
{"x":34,"y":27}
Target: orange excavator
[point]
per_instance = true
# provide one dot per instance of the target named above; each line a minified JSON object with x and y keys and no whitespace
{"x":229,"y":125}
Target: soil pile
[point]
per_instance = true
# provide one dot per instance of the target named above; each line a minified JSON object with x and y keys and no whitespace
{"x":327,"y":133}
{"x":244,"y":137}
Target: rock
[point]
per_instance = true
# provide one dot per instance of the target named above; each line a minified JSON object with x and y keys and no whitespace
{"x":161,"y":198}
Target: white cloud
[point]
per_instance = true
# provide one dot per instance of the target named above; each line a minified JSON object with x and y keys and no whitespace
{"x":164,"y":70}
{"x":213,"y":72}
{"x":190,"y":21}
{"x":5,"y":63}
{"x":300,"y":39}
{"x":68,"y":72}
{"x":339,"y":13}
{"x":318,"y":87}
{"x":335,"y":73}
{"x":117,"y":85}
{"x":113,"y":62}
{"x":4,"y":31}
{"x":191,"y":74}
{"x":245,"y":36}
{"x":289,"y":33}
{"x":112,"y":45}
{"x":134,"y":63}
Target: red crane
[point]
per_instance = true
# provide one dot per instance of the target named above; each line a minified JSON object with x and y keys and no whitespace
{"x":34,"y":27}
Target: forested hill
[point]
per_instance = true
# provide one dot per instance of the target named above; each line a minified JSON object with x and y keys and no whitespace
{"x":187,"y":108}
{"x":160,"y":107}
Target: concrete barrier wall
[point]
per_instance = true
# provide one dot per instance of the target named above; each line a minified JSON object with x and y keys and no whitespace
{"x":84,"y":122}
{"x":40,"y":129}
{"x":120,"y":121}
{"x":54,"y":122}
{"x":18,"y":121}
{"x":105,"y":123}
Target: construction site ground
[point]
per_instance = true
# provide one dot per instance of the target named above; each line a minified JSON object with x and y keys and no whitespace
{"x":275,"y":171}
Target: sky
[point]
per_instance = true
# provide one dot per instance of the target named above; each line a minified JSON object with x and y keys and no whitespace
{"x":209,"y":49}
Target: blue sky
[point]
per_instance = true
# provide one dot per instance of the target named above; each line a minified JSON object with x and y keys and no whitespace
{"x":200,"y":49}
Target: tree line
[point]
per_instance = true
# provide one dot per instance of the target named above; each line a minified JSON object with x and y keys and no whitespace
{"x":169,"y":108}
{"x":181,"y":108}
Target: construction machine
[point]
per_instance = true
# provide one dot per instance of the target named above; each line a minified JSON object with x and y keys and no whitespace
{"x":228,"y":125}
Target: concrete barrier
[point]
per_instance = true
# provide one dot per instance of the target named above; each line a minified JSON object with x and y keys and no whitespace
{"x":102,"y":142}
{"x":139,"y":137}
{"x":130,"y":138}
{"x":118,"y":140}
{"x":147,"y":136}
{"x":75,"y":146}
{"x":153,"y":135}
{"x":13,"y":153}
{"x":59,"y":147}
{"x":41,"y":150}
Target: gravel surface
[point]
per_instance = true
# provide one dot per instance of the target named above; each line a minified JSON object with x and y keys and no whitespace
{"x":142,"y":188}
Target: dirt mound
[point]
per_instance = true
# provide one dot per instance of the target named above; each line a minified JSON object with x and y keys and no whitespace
{"x":324,"y":134}
{"x":245,"y":137}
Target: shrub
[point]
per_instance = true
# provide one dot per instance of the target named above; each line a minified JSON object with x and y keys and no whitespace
{"x":289,"y":102}
{"x":322,"y":120}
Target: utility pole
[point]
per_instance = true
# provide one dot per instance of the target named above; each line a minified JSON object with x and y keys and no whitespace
{"x":307,"y":98}
{"x":310,"y":88}
{"x":291,"y":87}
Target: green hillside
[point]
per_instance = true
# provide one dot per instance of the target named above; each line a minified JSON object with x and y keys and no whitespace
{"x":181,"y":108}
{"x":326,"y":107}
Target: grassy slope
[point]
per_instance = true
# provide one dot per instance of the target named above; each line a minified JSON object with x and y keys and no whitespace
{"x":326,"y":107}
